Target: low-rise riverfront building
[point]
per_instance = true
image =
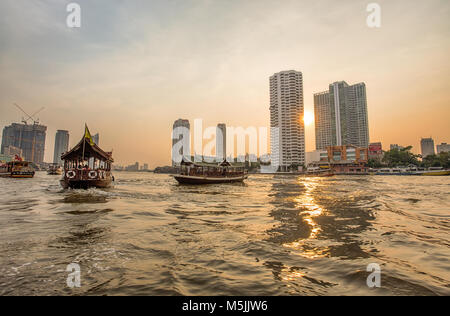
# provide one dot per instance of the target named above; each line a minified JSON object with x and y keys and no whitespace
{"x":347,"y":159}
{"x":444,"y":147}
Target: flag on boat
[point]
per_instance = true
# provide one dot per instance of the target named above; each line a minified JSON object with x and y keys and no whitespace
{"x":87,"y":135}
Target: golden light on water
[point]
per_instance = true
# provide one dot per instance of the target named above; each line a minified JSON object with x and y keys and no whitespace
{"x":309,"y":210}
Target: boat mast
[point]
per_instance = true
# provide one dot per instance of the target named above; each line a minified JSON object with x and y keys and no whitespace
{"x":84,"y":139}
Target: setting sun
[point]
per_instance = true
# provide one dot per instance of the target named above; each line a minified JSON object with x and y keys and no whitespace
{"x":308,"y":118}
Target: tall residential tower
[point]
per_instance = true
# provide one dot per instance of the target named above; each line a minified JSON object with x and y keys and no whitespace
{"x":221,"y":142}
{"x":341,"y":116}
{"x":287,"y":135}
{"x":181,"y":141}
{"x":61,"y":145}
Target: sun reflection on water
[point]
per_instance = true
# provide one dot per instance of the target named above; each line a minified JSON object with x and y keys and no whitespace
{"x":309,"y":210}
{"x":291,"y":275}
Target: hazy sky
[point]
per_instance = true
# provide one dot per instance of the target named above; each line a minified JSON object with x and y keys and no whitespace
{"x":136,"y":66}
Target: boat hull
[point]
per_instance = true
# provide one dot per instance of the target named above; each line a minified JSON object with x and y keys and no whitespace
{"x":85,"y":184}
{"x":437,"y":173}
{"x":208,"y":180}
{"x":54,"y":173}
{"x":319,"y":174}
{"x":16,"y":175}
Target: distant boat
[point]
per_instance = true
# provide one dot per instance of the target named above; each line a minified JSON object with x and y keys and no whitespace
{"x":191,"y":173}
{"x":413,"y":171}
{"x":392,"y":172}
{"x":54,"y":169}
{"x":436,"y":171}
{"x":17,"y":169}
{"x":319,"y":172}
{"x":77,"y":172}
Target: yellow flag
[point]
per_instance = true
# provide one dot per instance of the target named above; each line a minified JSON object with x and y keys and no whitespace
{"x":87,"y":135}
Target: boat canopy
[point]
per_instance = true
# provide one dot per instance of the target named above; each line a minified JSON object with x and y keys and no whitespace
{"x":89,"y":150}
{"x":225,"y":163}
{"x":18,"y":163}
{"x":186,"y":162}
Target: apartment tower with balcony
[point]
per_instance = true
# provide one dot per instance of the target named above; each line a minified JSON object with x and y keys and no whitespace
{"x":287,"y":135}
{"x":341,"y":116}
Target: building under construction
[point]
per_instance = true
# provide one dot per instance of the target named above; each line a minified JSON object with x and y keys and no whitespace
{"x":28,"y":137}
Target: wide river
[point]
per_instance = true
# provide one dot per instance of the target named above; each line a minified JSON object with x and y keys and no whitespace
{"x":273,"y":235}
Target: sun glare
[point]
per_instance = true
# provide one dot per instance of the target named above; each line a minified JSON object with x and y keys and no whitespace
{"x":308,"y":118}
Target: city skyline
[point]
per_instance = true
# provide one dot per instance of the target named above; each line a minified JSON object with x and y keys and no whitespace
{"x":131,"y":79}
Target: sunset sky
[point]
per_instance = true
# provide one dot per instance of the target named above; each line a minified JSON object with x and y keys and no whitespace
{"x":136,"y":66}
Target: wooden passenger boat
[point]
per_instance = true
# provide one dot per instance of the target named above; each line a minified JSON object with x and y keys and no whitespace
{"x":319,"y":172}
{"x":191,"y":173}
{"x":54,"y":169}
{"x":87,"y":166}
{"x":17,"y":169}
{"x":436,"y":171}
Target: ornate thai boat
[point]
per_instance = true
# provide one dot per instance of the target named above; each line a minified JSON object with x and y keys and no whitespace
{"x":191,"y":173}
{"x":17,"y":169}
{"x":86,"y":165}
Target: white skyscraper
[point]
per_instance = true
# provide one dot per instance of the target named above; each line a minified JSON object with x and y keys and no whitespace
{"x":287,"y":135}
{"x":181,"y":141}
{"x":221,"y":142}
{"x":96,"y":139}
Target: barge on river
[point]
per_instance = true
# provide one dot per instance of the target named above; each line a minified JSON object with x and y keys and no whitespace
{"x":191,"y":173}
{"x":17,"y":169}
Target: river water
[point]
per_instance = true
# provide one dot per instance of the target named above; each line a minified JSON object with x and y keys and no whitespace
{"x":273,"y":235}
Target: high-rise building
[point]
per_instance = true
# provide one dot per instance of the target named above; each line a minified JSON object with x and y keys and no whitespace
{"x":444,"y":147}
{"x":323,"y":121}
{"x":221,"y":142}
{"x":29,"y":138}
{"x":181,"y":133}
{"x":61,"y":145}
{"x":341,"y":116}
{"x":96,"y":139}
{"x":396,"y":146}
{"x":427,"y":146}
{"x":287,"y":135}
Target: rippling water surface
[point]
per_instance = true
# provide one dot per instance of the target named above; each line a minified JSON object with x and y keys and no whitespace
{"x":274,"y":235}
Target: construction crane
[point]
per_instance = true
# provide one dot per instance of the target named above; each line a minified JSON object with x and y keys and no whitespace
{"x":29,"y":117}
